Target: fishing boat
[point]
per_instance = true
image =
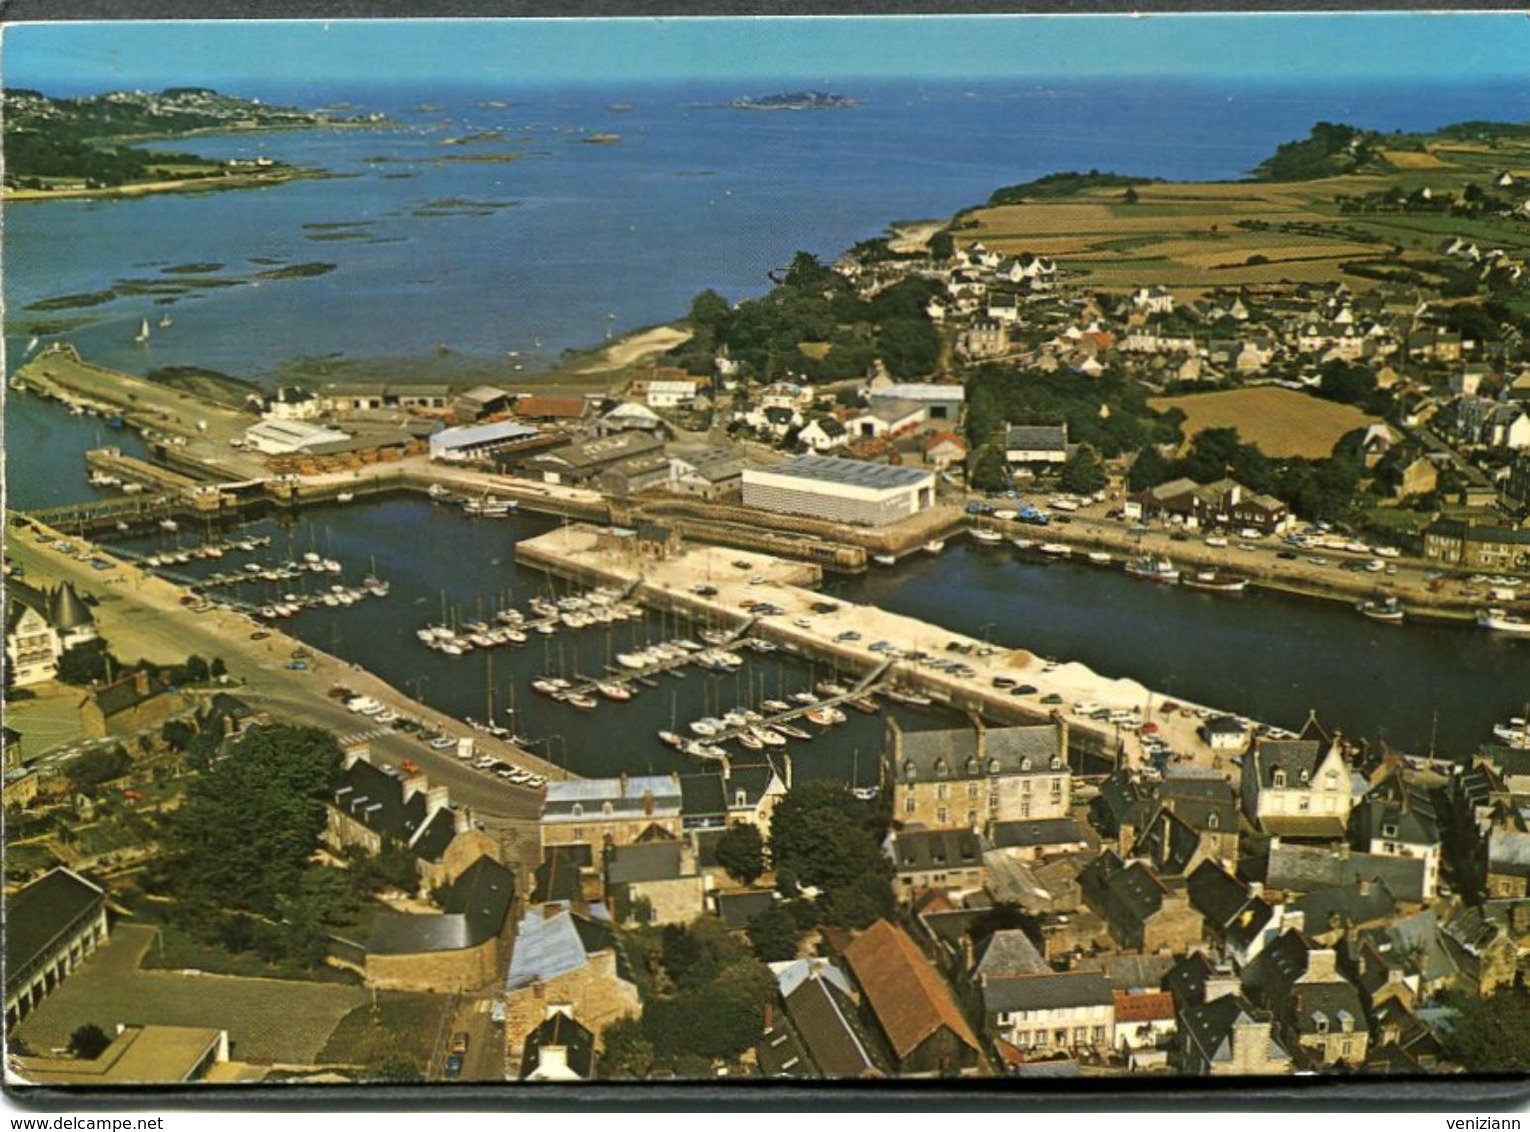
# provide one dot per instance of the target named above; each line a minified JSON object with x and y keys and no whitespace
{"x":618,"y":693}
{"x":1154,"y":569}
{"x":1217,"y":581}
{"x":1387,"y":610}
{"x":935,"y":546}
{"x":1501,"y":621}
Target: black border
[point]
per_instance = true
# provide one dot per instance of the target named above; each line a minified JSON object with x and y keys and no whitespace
{"x":1092,"y":1094}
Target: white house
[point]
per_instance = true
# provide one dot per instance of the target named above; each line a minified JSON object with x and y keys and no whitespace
{"x":1052,"y":1013}
{"x":823,"y":434}
{"x":1297,"y":787}
{"x":1035,"y":444}
{"x":671,"y":394}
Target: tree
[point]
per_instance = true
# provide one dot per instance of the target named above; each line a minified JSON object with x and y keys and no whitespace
{"x":626,"y":1051}
{"x":1491,"y":1035}
{"x":773,"y":934}
{"x":741,"y":851}
{"x":1083,"y":473}
{"x":398,"y":1067}
{"x":986,"y":470}
{"x":217,"y":669}
{"x":242,"y":837}
{"x":196,"y":670}
{"x":84,"y":663}
{"x":824,"y":837}
{"x":88,"y":1042}
{"x":1129,"y":196}
{"x":1149,"y":469}
{"x":87,"y":773}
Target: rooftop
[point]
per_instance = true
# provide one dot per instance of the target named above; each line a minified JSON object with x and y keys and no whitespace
{"x":847,"y":473}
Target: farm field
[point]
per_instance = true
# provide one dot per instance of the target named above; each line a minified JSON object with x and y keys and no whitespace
{"x":1194,"y":237}
{"x":1282,"y":422}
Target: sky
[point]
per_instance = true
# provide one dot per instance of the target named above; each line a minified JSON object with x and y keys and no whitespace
{"x":78,"y":57}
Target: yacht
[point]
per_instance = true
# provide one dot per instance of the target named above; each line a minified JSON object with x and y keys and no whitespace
{"x":1387,"y":610}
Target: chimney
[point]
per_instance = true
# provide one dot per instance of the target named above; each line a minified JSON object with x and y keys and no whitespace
{"x":463,"y":819}
{"x":359,"y":753}
{"x":770,"y":1016}
{"x":1293,"y":920}
{"x":1321,"y":965}
{"x":1256,"y":888}
{"x":981,"y":738}
{"x":969,"y":953}
{"x":436,"y":798}
{"x":648,"y":803}
{"x":624,"y":784}
{"x":141,"y":682}
{"x":1126,"y":839}
{"x":417,"y":783}
{"x":1363,"y":884}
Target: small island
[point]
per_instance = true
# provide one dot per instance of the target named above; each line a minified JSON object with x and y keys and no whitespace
{"x":90,"y":146}
{"x":798,"y":100}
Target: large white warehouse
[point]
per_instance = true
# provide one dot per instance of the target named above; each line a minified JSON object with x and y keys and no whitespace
{"x":842,"y":491}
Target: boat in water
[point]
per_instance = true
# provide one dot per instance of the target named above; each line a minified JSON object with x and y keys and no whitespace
{"x":904,"y":696}
{"x":1055,"y":549}
{"x":673,"y":739}
{"x":935,"y":546}
{"x":885,"y":559}
{"x":345,"y":497}
{"x":1217,"y":581}
{"x":790,"y":731}
{"x":1100,"y":558}
{"x":580,"y":700}
{"x":1501,"y":621}
{"x":1387,"y":610}
{"x":986,"y":536}
{"x":143,"y":332}
{"x":618,"y":693}
{"x":1154,"y":569}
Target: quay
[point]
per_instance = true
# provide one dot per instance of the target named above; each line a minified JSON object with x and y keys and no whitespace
{"x":712,"y":585}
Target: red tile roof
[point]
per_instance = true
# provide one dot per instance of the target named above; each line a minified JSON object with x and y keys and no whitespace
{"x":538,"y":406}
{"x":909,"y":998}
{"x":1154,"y":1006}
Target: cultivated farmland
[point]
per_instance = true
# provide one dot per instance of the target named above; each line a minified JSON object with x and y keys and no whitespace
{"x":1282,"y":422}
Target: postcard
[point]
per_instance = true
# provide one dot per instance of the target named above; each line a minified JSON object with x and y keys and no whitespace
{"x":980,"y":549}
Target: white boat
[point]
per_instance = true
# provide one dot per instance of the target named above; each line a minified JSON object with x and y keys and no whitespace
{"x":1153,"y":569}
{"x":1218,"y":581}
{"x":169,"y":525}
{"x":1055,"y":549}
{"x":1099,"y":558}
{"x":935,"y":546}
{"x":332,"y":566}
{"x":885,"y":559}
{"x":986,"y":536}
{"x":1501,"y":621}
{"x":619,"y":693}
{"x":1387,"y":610}
{"x":345,"y":497}
{"x":706,"y":727}
{"x":904,"y":696}
{"x":164,"y":321}
{"x":143,"y":332}
{"x":1023,"y":543}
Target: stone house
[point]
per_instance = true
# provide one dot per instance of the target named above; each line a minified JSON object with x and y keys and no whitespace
{"x":1297,"y":787}
{"x":659,"y":876}
{"x":935,"y":858}
{"x":1318,"y":1012}
{"x":1047,"y":1013}
{"x":971,"y":776}
{"x":560,"y":1049}
{"x":1142,"y":911}
{"x":456,"y":950}
{"x":1228,"y":1037}
{"x":610,"y":811}
{"x":911,"y":1005}
{"x":132,"y":703}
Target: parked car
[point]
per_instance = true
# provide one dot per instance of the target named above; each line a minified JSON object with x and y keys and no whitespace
{"x":453,"y":1070}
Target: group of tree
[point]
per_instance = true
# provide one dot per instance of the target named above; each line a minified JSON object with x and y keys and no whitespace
{"x":1490,"y":1035}
{"x":823,"y":838}
{"x":238,"y":849}
{"x":1327,"y":488}
{"x":813,"y":305}
{"x":704,"y":997}
{"x":1327,"y":151}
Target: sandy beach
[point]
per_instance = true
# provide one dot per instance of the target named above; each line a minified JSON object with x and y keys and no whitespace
{"x":635,"y":347}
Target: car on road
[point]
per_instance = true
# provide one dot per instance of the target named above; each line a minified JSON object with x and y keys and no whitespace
{"x":803,"y":623}
{"x":1023,"y":690}
{"x":259,"y":635}
{"x":297,"y":665}
{"x":442,"y":742}
{"x":848,"y":635}
{"x":703,"y":590}
{"x":453,"y":1071}
{"x":460,"y":1042}
{"x":1287,"y":555}
{"x":1051,"y":699}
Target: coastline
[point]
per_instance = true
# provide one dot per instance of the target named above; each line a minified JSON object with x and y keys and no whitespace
{"x":635,"y":346}
{"x":149,"y":188}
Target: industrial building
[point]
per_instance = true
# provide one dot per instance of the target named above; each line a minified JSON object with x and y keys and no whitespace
{"x":471,"y":442}
{"x":842,"y":491}
{"x":283,"y":438}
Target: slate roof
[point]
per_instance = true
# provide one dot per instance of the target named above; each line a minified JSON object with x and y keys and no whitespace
{"x":440,"y":829}
{"x":1129,"y":972}
{"x":1508,"y":853}
{"x":474,"y":907}
{"x":39,"y":915}
{"x":848,"y":473}
{"x":1186,"y":980}
{"x":1131,"y":893}
{"x":632,"y":864}
{"x":953,"y":752}
{"x":1209,"y":1029}
{"x":559,"y":1030}
{"x":1364,"y":903}
{"x":68,"y":611}
{"x":736,"y":909}
{"x":1036,"y":438}
{"x":1046,"y":992}
{"x":1227,"y":904}
{"x":375,"y":798}
{"x":1410,"y":819}
{"x":1169,"y":842}
{"x":1294,"y":756}
{"x":626,"y":795}
{"x":1008,"y":953}
{"x":780,"y":1051}
{"x":591,"y":455}
{"x":1303,"y":868}
{"x":826,"y":1022}
{"x":754,"y":779}
{"x":920,"y":850}
{"x":557,"y":877}
{"x":1279,"y":976}
{"x":911,"y":1002}
{"x":20,"y":597}
{"x":1034,"y":834}
{"x":123,"y":695}
{"x":551,"y":941}
{"x":1414,"y":943}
